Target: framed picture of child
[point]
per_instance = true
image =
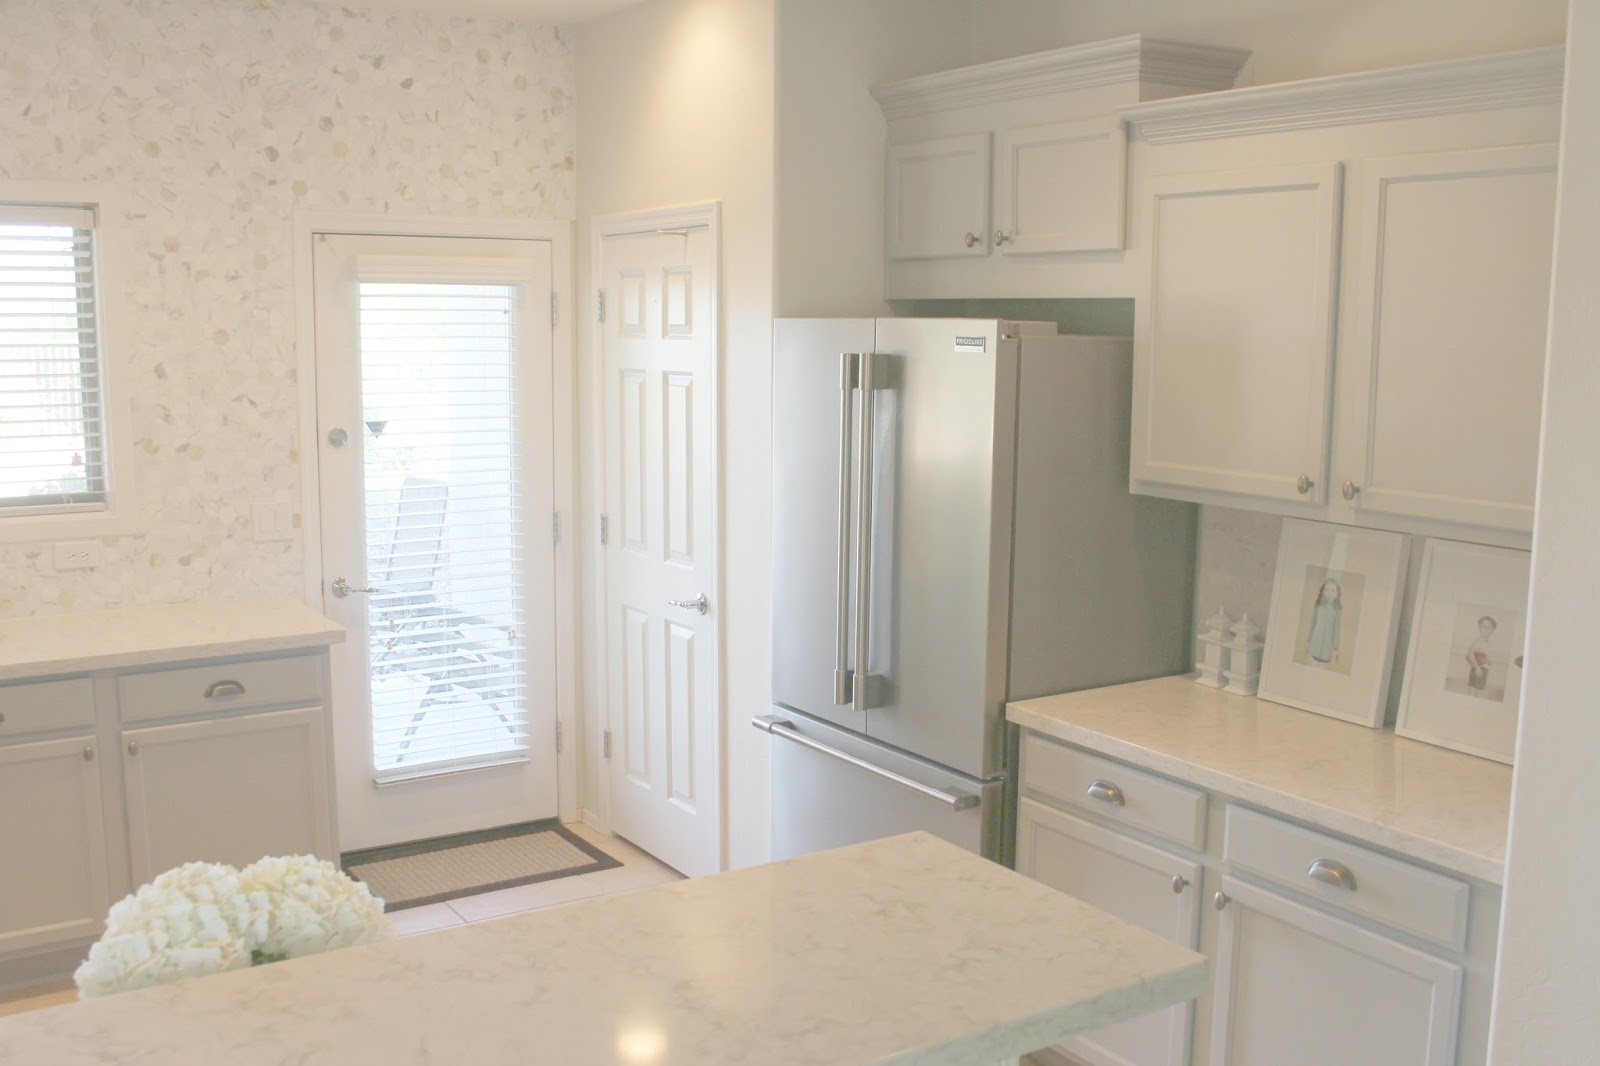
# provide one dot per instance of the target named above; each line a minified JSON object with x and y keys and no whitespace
{"x":1335,"y":610}
{"x":1464,"y":667}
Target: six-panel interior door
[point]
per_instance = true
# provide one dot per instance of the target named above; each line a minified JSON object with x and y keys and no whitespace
{"x":658,"y":352}
{"x":434,"y":394}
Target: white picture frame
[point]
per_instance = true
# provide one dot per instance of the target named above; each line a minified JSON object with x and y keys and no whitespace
{"x":1463,"y":682}
{"x":1335,"y":611}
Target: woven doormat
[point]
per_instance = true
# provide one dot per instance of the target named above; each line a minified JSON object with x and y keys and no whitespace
{"x":432,"y":871}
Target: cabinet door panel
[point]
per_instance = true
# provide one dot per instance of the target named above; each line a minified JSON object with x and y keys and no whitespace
{"x":227,"y":790}
{"x":1234,"y":332}
{"x":1295,"y":985}
{"x":1133,"y":881}
{"x":1442,"y":374}
{"x":1061,"y":186}
{"x":52,"y":838}
{"x":938,"y":195}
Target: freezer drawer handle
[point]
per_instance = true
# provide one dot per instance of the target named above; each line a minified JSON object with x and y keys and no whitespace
{"x":955,"y":799}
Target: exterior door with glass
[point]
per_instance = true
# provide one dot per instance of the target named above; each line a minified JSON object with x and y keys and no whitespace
{"x":434,"y":420}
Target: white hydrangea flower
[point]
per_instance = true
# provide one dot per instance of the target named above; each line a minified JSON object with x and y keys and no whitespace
{"x":189,"y":921}
{"x":310,"y":906}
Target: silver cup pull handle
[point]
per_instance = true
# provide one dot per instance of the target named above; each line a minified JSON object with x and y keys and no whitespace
{"x":1332,"y":873}
{"x":1106,"y":792}
{"x":698,"y":604}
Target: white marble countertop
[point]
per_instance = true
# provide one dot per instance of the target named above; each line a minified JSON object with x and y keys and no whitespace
{"x":146,"y":636}
{"x":1435,"y":805}
{"x":906,"y":951}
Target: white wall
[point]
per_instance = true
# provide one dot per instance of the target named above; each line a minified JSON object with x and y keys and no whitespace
{"x":676,"y":106}
{"x":1547,"y":994}
{"x":213,"y":122}
{"x":830,"y":136}
{"x":1291,"y":39}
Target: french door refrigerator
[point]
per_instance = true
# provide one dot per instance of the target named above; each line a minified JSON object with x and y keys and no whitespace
{"x":952,"y":529}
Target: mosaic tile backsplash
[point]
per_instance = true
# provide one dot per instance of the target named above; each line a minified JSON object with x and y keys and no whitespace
{"x":214,"y":120}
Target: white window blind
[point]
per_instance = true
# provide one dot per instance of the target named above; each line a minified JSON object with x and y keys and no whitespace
{"x":444,"y":514}
{"x":52,"y":448}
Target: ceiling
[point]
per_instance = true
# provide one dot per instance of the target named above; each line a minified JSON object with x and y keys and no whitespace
{"x":552,"y":12}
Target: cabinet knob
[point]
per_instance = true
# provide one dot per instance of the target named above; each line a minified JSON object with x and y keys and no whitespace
{"x":1221,"y":900}
{"x":1303,"y":486}
{"x":133,"y":748}
{"x":1179,"y":883}
{"x":88,"y":753}
{"x":1000,"y":236}
{"x":972,"y":239}
{"x":1350,"y":490}
{"x":1332,"y":873}
{"x":1106,"y":792}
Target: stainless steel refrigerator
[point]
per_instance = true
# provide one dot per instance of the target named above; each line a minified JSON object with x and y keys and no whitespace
{"x":952,"y":529}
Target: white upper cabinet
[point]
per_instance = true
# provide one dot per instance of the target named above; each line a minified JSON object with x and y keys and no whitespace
{"x":1010,"y":178}
{"x":1371,"y":354}
{"x":1060,"y":187}
{"x":1234,"y":332}
{"x":938,"y":197}
{"x":1442,"y":368}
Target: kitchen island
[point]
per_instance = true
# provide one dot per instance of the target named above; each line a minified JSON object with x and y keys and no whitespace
{"x":906,"y":950}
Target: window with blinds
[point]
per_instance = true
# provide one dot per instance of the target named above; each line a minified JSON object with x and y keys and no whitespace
{"x":444,"y":515}
{"x":52,"y":450}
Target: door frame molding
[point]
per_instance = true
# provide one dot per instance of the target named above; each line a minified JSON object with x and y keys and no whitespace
{"x":306,"y":226}
{"x":708,"y":214}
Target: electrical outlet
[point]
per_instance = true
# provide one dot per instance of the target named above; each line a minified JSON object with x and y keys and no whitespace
{"x":77,"y":555}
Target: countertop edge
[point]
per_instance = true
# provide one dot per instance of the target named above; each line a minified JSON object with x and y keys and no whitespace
{"x":85,"y":664}
{"x":1016,"y":1039}
{"x":1423,"y":849}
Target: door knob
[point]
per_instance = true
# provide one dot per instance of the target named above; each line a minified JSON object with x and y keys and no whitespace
{"x":343,"y":588}
{"x":698,"y":604}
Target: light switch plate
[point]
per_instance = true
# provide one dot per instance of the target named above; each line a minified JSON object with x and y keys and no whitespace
{"x":77,"y":555}
{"x":272,"y":520}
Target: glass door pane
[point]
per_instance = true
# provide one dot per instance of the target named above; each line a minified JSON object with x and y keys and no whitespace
{"x":443,"y":516}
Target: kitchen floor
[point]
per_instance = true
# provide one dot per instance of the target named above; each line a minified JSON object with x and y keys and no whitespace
{"x":638,"y":870}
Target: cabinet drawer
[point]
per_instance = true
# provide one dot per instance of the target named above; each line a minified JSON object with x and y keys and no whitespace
{"x":221,"y":686}
{"x":38,"y":706}
{"x":1387,"y":890}
{"x":1119,"y":792}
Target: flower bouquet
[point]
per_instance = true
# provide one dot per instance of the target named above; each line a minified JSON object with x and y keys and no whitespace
{"x":205,"y":918}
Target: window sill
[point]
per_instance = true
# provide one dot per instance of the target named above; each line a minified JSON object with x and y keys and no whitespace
{"x":36,"y":529}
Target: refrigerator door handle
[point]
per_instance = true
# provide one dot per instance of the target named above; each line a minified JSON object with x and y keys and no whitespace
{"x":848,"y":364}
{"x":864,"y":449}
{"x":953,"y":798}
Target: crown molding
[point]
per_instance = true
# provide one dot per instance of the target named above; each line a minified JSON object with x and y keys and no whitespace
{"x":1509,"y":79}
{"x":1192,"y":67}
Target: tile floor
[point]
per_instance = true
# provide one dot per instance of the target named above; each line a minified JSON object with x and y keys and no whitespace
{"x":638,"y":870}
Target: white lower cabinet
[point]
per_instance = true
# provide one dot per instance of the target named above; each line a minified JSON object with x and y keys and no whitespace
{"x":1324,"y":951}
{"x":1294,"y":984}
{"x":226,"y":790}
{"x":1145,"y":885}
{"x":109,"y":778}
{"x":52,"y":844}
